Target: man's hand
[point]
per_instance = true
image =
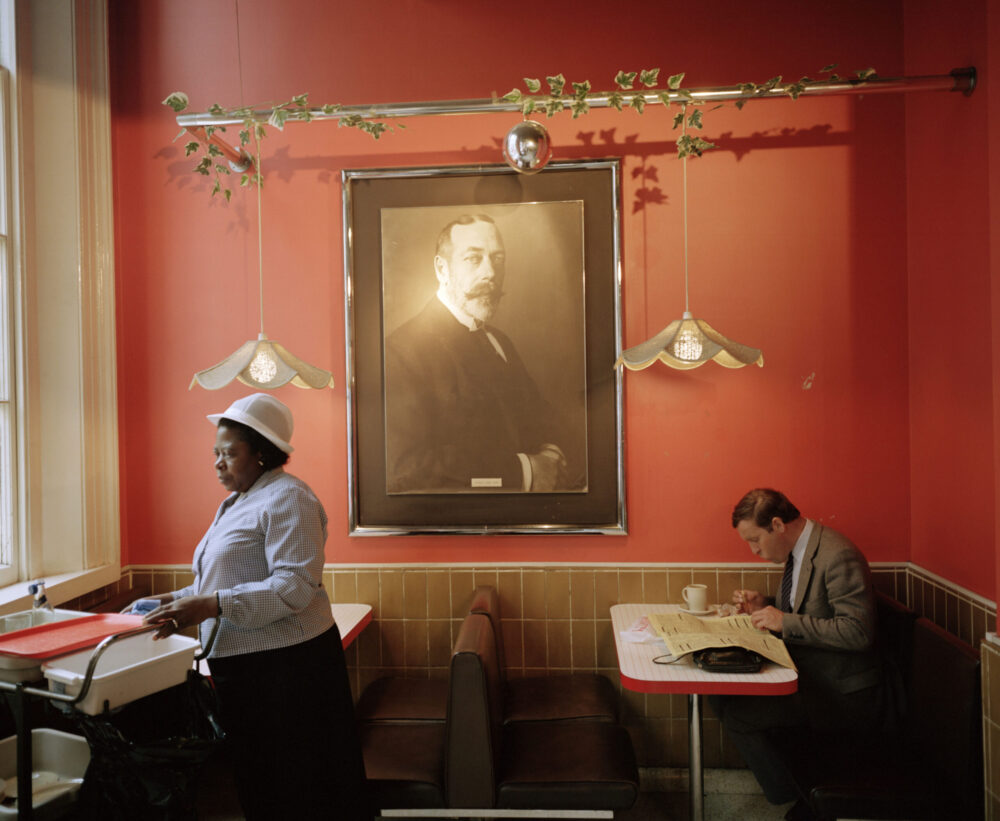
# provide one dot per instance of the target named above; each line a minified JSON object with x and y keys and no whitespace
{"x":768,"y":618}
{"x":749,"y":601}
{"x":548,"y":468}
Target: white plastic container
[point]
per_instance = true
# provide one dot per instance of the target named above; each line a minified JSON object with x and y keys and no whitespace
{"x":22,"y":669}
{"x":130,"y":669}
{"x":64,"y":754}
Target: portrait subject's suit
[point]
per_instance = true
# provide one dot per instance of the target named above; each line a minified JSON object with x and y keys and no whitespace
{"x":457,"y":414}
{"x":830,"y":635}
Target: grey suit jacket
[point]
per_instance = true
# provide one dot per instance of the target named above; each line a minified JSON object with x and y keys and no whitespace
{"x":830,"y":632}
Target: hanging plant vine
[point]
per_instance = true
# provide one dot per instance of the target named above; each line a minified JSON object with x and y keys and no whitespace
{"x":628,"y":93}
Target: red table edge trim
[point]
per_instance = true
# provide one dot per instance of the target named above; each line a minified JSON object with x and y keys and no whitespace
{"x":356,"y":631}
{"x":722,"y":688}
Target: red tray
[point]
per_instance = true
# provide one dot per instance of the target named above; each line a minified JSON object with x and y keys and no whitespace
{"x":61,"y":637}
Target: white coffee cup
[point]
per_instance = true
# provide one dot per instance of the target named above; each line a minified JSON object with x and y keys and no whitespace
{"x":696,"y":597}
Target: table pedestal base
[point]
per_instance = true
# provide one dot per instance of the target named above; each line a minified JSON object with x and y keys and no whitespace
{"x":696,"y":789}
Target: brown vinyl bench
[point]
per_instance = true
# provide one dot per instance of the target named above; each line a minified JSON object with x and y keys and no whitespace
{"x":561,"y":697}
{"x":929,"y":767}
{"x":487,"y":769}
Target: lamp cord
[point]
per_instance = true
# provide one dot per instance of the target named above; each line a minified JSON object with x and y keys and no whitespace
{"x":260,"y":234}
{"x":684,"y":176}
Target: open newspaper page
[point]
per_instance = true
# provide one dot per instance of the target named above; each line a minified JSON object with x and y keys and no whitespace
{"x":684,"y":633}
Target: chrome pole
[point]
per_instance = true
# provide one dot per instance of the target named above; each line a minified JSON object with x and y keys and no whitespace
{"x":960,"y":79}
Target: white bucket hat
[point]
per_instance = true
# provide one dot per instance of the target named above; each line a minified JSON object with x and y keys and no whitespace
{"x":265,"y":414}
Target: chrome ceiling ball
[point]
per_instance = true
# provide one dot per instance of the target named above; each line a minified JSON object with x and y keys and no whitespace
{"x":526,"y":148}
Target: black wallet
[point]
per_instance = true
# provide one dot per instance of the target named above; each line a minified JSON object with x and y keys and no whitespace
{"x":728,"y":660}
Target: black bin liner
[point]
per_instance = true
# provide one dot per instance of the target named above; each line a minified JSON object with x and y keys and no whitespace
{"x":147,"y":757}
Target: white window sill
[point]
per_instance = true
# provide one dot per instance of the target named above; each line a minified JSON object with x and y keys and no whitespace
{"x":59,"y":588}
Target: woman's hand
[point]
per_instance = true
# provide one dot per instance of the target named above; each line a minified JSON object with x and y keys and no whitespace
{"x":182,"y":613}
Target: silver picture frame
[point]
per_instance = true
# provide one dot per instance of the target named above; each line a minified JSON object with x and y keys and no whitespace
{"x":558,"y":322}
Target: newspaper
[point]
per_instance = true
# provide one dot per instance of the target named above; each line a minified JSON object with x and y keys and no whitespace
{"x":684,"y":633}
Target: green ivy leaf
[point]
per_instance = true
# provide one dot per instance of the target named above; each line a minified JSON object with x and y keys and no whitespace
{"x":649,"y":77}
{"x":615,"y":100}
{"x":216,"y":110}
{"x":827,"y":69}
{"x":556,"y":84}
{"x":695,"y":119}
{"x":259,"y":131}
{"x":553,"y":106}
{"x":228,"y":194}
{"x":664,"y":97}
{"x":866,"y":74}
{"x":216,"y":188}
{"x":579,"y":107}
{"x":581,"y":90}
{"x":204,"y":166}
{"x":214,"y":150}
{"x":300,"y":100}
{"x":795,"y":89}
{"x":512,"y":96}
{"x":739,"y":104}
{"x":221,"y":169}
{"x":624,"y":80}
{"x":244,"y":136}
{"x":178,"y":101}
{"x":277,"y":118}
{"x":534,"y":86}
{"x":638,"y":102}
{"x":675,"y":80}
{"x":678,"y":119}
{"x":528,"y":106}
{"x":191,"y":147}
{"x":331,"y":108}
{"x":244,"y":180}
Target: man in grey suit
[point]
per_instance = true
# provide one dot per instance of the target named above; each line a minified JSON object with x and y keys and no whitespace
{"x":825,"y":613}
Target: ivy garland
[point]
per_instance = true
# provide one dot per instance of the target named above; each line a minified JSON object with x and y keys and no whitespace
{"x":628,"y":93}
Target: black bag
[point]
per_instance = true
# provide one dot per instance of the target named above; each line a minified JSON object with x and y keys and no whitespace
{"x":728,"y":660}
{"x":146,"y":758}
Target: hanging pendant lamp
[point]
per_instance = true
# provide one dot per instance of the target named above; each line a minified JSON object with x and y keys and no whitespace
{"x":689,"y":342}
{"x":262,"y":363}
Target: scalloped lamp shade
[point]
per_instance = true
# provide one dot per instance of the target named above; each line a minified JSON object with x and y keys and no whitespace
{"x":263,"y":364}
{"x":688,"y":343}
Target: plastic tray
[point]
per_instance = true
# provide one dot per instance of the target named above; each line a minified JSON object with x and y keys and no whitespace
{"x":14,"y":668}
{"x":130,"y":669}
{"x":65,"y":754}
{"x":60,"y":638}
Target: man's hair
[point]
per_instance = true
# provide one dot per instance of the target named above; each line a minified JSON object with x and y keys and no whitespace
{"x":270,"y":454}
{"x":761,"y":505}
{"x":444,"y":244}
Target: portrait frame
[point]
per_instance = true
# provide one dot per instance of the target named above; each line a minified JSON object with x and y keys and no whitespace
{"x":379,"y":206}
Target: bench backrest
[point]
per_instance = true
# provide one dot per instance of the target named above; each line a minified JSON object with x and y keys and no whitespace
{"x":472,"y":746}
{"x":486,"y":600}
{"x":944,"y":719}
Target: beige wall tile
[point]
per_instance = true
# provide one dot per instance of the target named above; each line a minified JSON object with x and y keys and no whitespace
{"x":654,"y":586}
{"x":345,"y":586}
{"x":629,"y":586}
{"x":463,"y":585}
{"x":584,"y":647}
{"x":509,"y":589}
{"x":533,"y":584}
{"x":513,"y":643}
{"x":416,"y":646}
{"x":557,"y":602}
{"x":729,"y":580}
{"x":438,"y":594}
{"x":581,"y":584}
{"x":415,"y":594}
{"x":393,"y":644}
{"x":607,"y":655}
{"x":605,"y":591}
{"x":367,"y":581}
{"x":390,"y":594}
{"x":560,"y":648}
{"x":535,"y":652}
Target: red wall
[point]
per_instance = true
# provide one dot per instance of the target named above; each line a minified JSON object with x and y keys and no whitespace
{"x":952,"y":358}
{"x":798,"y":235}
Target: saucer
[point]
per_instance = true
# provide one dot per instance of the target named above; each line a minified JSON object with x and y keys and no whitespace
{"x":697,"y":612}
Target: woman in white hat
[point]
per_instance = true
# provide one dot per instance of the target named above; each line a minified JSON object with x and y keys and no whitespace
{"x":277,"y":661}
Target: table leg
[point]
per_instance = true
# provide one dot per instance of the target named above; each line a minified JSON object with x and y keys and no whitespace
{"x":696,"y":790}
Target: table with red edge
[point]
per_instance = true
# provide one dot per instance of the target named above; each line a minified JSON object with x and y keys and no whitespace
{"x":640,"y":673}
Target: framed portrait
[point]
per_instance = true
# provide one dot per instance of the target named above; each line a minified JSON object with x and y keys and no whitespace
{"x":483,"y":323}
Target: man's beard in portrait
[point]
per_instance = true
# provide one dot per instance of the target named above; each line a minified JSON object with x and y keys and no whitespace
{"x":481,"y":301}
